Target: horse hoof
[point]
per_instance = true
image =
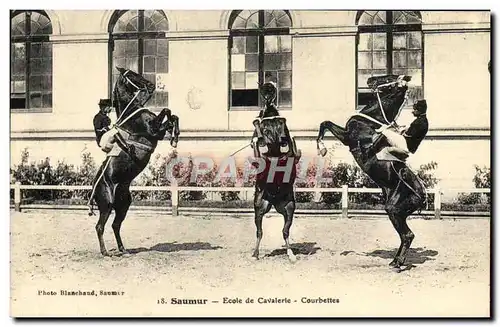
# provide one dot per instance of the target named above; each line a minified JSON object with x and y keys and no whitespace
{"x":254,"y":257}
{"x":105,"y":254}
{"x":292,"y":258}
{"x":322,"y":152}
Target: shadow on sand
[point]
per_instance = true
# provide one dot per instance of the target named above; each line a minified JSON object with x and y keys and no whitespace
{"x":305,"y":248}
{"x":176,"y":247}
{"x":415,"y":255}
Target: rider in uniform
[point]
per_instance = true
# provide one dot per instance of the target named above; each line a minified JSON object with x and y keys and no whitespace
{"x":408,"y":140}
{"x":106,"y":136}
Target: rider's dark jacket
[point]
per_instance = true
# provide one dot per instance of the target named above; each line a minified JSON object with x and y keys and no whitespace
{"x":416,"y":132}
{"x":101,"y":125}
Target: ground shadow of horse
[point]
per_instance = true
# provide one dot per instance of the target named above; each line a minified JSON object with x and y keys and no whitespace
{"x":415,"y":255}
{"x":306,"y":248}
{"x":176,"y":247}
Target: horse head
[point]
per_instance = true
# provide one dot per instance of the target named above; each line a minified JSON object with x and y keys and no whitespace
{"x":390,"y":96}
{"x":130,"y":94}
{"x":131,"y":91}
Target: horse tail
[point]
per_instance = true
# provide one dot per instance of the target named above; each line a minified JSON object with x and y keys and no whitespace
{"x":418,"y":187}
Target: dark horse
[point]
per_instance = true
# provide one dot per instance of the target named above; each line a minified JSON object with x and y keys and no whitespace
{"x":401,"y":188}
{"x":277,"y":149}
{"x":141,"y":128}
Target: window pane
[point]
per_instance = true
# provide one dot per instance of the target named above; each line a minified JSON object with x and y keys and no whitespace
{"x":365,"y":41}
{"x":251,"y":62}
{"x":285,"y":43}
{"x":19,"y":51}
{"x":150,"y":77}
{"x":150,"y":47}
{"x":18,"y":67}
{"x":379,"y":72}
{"x":416,"y":77}
{"x":35,"y":83}
{"x":35,"y":100}
{"x":162,"y":47}
{"x":47,"y":100}
{"x":238,"y":45}
{"x":46,"y":65}
{"x":20,"y":86}
{"x":237,"y":80}
{"x":364,"y":60}
{"x":244,"y":98}
{"x":149,"y":64}
{"x":271,"y":76}
{"x":161,"y":99}
{"x":46,"y":50}
{"x":272,"y":61}
{"x":119,"y":48}
{"x":252,"y":44}
{"x":252,"y":80}
{"x":161,"y":65}
{"x":414,"y":59}
{"x":271,"y":44}
{"x":399,"y":41}
{"x":285,"y":98}
{"x":47,"y":83}
{"x":379,"y":41}
{"x":379,"y":60}
{"x":36,"y":50}
{"x":363,"y":76}
{"x":286,"y":61}
{"x":132,"y":64}
{"x":399,"y":59}
{"x":238,"y":63}
{"x":285,"y":79}
{"x":132,"y":47}
{"x":36,"y":66}
{"x":415,"y":40}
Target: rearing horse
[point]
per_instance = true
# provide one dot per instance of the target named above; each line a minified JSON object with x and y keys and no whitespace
{"x":402,"y":190}
{"x":141,"y":128}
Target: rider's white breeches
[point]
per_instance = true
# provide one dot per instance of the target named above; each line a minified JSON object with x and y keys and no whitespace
{"x":395,"y":139}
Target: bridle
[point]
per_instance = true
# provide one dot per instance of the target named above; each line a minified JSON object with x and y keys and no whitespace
{"x":377,"y":91}
{"x":137,"y":92}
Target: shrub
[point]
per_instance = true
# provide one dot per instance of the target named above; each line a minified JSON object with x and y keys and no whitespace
{"x":482,"y":179}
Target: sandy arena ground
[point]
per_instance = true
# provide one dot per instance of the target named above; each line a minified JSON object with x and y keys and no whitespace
{"x":210,"y":258}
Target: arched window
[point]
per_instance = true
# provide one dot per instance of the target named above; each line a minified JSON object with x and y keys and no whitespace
{"x":389,"y":42}
{"x":138,"y":42}
{"x":260,"y":47}
{"x":31,"y":60}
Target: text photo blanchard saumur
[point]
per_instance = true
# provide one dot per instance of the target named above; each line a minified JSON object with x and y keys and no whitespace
{"x":250,"y":163}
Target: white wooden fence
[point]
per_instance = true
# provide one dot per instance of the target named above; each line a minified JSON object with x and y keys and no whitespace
{"x":175,"y":189}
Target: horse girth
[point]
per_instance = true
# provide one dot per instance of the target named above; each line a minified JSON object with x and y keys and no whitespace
{"x":128,"y":137}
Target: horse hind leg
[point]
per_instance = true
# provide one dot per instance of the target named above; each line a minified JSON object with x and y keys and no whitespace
{"x":122,"y":202}
{"x":261,"y":207}
{"x":398,"y":219}
{"x":104,"y":200}
{"x":287,"y":210}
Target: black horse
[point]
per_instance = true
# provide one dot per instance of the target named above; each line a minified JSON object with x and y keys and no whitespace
{"x":403,"y":191}
{"x":275,"y":145}
{"x":141,"y":128}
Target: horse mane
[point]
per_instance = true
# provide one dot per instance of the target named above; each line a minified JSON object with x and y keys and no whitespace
{"x":388,"y":100}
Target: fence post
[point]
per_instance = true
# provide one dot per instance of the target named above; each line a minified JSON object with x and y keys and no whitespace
{"x":17,"y":197}
{"x":175,"y":197}
{"x":345,"y":198}
{"x":437,"y":203}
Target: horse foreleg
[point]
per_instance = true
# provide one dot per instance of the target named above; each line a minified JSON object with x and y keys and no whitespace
{"x":122,"y":202}
{"x":175,"y":131}
{"x":336,"y":130}
{"x":287,"y":210}
{"x":104,"y":200}
{"x":261,"y":207}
